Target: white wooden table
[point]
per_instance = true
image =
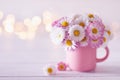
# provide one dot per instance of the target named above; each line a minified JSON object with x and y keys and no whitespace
{"x":26,"y":71}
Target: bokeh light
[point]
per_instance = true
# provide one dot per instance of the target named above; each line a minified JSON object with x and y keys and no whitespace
{"x":36,"y":20}
{"x":48,"y":18}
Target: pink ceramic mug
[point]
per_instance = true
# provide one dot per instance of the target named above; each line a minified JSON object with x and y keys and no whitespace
{"x":84,"y":58}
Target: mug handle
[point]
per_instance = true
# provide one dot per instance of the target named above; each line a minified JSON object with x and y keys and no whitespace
{"x":106,"y":56}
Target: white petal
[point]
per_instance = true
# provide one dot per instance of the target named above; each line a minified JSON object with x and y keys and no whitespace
{"x":55,"y":35}
{"x":76,"y":38}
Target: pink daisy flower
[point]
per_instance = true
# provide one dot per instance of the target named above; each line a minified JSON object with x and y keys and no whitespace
{"x":95,"y":43}
{"x":95,"y":30}
{"x":61,"y":66}
{"x":55,"y":23}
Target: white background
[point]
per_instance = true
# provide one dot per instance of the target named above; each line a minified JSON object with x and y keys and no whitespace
{"x":41,"y":50}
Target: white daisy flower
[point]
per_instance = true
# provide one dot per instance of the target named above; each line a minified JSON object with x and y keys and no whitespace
{"x":69,"y":44}
{"x":65,"y":22}
{"x":81,"y":21}
{"x":105,"y":39}
{"x":57,"y":35}
{"x":76,"y":33}
{"x":109,"y":32}
{"x":49,"y":70}
{"x":84,"y":41}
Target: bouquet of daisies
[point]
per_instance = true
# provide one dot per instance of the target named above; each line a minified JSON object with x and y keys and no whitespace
{"x":80,"y":31}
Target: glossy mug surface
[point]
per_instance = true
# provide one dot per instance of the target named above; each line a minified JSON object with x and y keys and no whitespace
{"x":84,"y":58}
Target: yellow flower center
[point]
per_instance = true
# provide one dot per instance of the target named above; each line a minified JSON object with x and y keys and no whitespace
{"x":61,"y":67}
{"x":95,"y":40}
{"x":104,"y":39}
{"x":68,"y":42}
{"x":109,"y":32}
{"x":90,"y":15}
{"x":84,"y":39}
{"x":94,"y":30}
{"x":49,"y":70}
{"x":76,"y":32}
{"x":82,"y":24}
{"x":65,"y":23}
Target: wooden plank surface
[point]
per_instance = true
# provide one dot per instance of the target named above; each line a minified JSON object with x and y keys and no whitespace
{"x":35,"y":71}
{"x":59,"y":78}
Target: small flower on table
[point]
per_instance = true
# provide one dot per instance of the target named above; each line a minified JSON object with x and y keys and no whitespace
{"x":50,"y":70}
{"x":61,"y":66}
